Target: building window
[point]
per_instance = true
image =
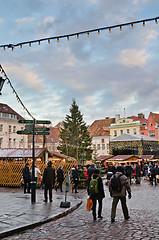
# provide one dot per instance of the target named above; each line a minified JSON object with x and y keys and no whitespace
{"x":1,"y":127}
{"x":10,"y":129}
{"x":1,"y":141}
{"x":128,"y":131}
{"x":94,"y":146}
{"x":152,"y":134}
{"x":121,"y":132}
{"x":134,"y":130}
{"x":10,"y":141}
{"x":14,"y":129}
{"x":142,"y":133}
{"x":102,"y":140}
{"x":103,"y":146}
{"x":14,"y":142}
{"x":115,"y":133}
{"x":98,"y":146}
{"x":107,"y":146}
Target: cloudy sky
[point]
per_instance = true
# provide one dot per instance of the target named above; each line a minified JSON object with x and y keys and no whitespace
{"x":104,"y":73}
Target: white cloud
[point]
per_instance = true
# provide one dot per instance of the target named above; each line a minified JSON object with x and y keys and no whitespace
{"x":48,"y":19}
{"x":24,"y":74}
{"x":134,"y":57}
{"x":24,"y":20}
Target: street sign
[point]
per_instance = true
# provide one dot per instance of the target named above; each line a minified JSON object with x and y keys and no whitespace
{"x":42,"y":121}
{"x":42,"y":133}
{"x":42,"y":129}
{"x":25,"y":121}
{"x":29,"y":127}
{"x":36,"y":121}
{"x":25,"y":132}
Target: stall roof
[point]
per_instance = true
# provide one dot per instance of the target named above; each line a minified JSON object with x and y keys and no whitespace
{"x":132,"y":137}
{"x":20,"y":152}
{"x":104,"y":157}
{"x":148,"y":157}
{"x":121,"y":158}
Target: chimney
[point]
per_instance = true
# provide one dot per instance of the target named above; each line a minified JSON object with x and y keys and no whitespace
{"x":141,"y":115}
{"x":117,"y":117}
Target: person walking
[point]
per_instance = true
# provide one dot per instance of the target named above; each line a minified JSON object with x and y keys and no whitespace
{"x":128,"y":172}
{"x":75,"y":178}
{"x":48,"y":181}
{"x":60,"y":178}
{"x":26,"y":178}
{"x":137,"y":173}
{"x":96,"y":193}
{"x":37,"y":173}
{"x":153,"y":174}
{"x":90,"y":171}
{"x":118,"y":188}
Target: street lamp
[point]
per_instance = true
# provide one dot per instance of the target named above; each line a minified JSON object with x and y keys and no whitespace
{"x":1,"y":84}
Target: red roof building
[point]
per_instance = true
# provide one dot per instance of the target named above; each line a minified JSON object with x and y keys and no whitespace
{"x":152,"y":126}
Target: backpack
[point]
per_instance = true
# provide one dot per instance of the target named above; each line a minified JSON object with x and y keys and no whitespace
{"x":116,"y":183}
{"x":93,"y":186}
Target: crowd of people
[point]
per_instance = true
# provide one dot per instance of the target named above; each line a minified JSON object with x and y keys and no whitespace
{"x":119,"y":180}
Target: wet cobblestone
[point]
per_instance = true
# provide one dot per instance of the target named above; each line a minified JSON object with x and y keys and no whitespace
{"x":143,"y":223}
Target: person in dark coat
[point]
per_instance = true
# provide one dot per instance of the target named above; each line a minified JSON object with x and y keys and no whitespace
{"x":48,"y":181}
{"x":75,"y":178}
{"x":26,"y":178}
{"x":138,"y":173}
{"x":120,"y":195}
{"x":60,"y":178}
{"x":97,"y":197}
{"x":90,"y":171}
{"x":128,"y":172}
{"x":153,"y":174}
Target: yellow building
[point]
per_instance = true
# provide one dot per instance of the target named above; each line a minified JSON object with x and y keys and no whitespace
{"x":124,"y":126}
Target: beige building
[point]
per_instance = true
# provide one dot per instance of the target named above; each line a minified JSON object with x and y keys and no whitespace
{"x":124,"y":126}
{"x":9,"y":126}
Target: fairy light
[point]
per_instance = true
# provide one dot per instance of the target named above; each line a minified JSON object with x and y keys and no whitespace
{"x":77,"y":34}
{"x":14,"y":91}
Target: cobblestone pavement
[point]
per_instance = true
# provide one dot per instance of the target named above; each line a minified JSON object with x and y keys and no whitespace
{"x":143,"y":222}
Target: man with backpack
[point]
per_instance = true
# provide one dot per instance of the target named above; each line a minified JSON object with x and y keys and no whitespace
{"x":118,"y":187}
{"x":96,"y":192}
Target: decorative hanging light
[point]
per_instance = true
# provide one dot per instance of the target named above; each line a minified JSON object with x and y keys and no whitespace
{"x":109,"y":30}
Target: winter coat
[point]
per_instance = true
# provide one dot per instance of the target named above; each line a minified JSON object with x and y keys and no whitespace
{"x":90,"y":171}
{"x":124,"y":183}
{"x":60,"y":175}
{"x":26,"y":173}
{"x":49,"y":176}
{"x":100,"y":193}
{"x":138,"y":170}
{"x":128,"y":171}
{"x":75,"y":174}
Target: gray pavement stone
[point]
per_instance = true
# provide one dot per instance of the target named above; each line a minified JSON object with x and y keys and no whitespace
{"x":143,"y":224}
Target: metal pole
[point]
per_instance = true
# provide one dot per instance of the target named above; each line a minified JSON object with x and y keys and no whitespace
{"x":33,"y":183}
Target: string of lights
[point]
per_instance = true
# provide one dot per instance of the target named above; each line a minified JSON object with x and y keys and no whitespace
{"x":77,"y":34}
{"x":14,"y":91}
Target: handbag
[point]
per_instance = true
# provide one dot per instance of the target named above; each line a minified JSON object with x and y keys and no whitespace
{"x":89,"y":204}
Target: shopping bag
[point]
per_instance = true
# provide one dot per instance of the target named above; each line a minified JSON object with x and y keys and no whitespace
{"x":89,"y":204}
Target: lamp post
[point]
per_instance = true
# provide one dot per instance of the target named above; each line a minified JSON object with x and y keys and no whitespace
{"x":33,"y":183}
{"x":1,"y":84}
